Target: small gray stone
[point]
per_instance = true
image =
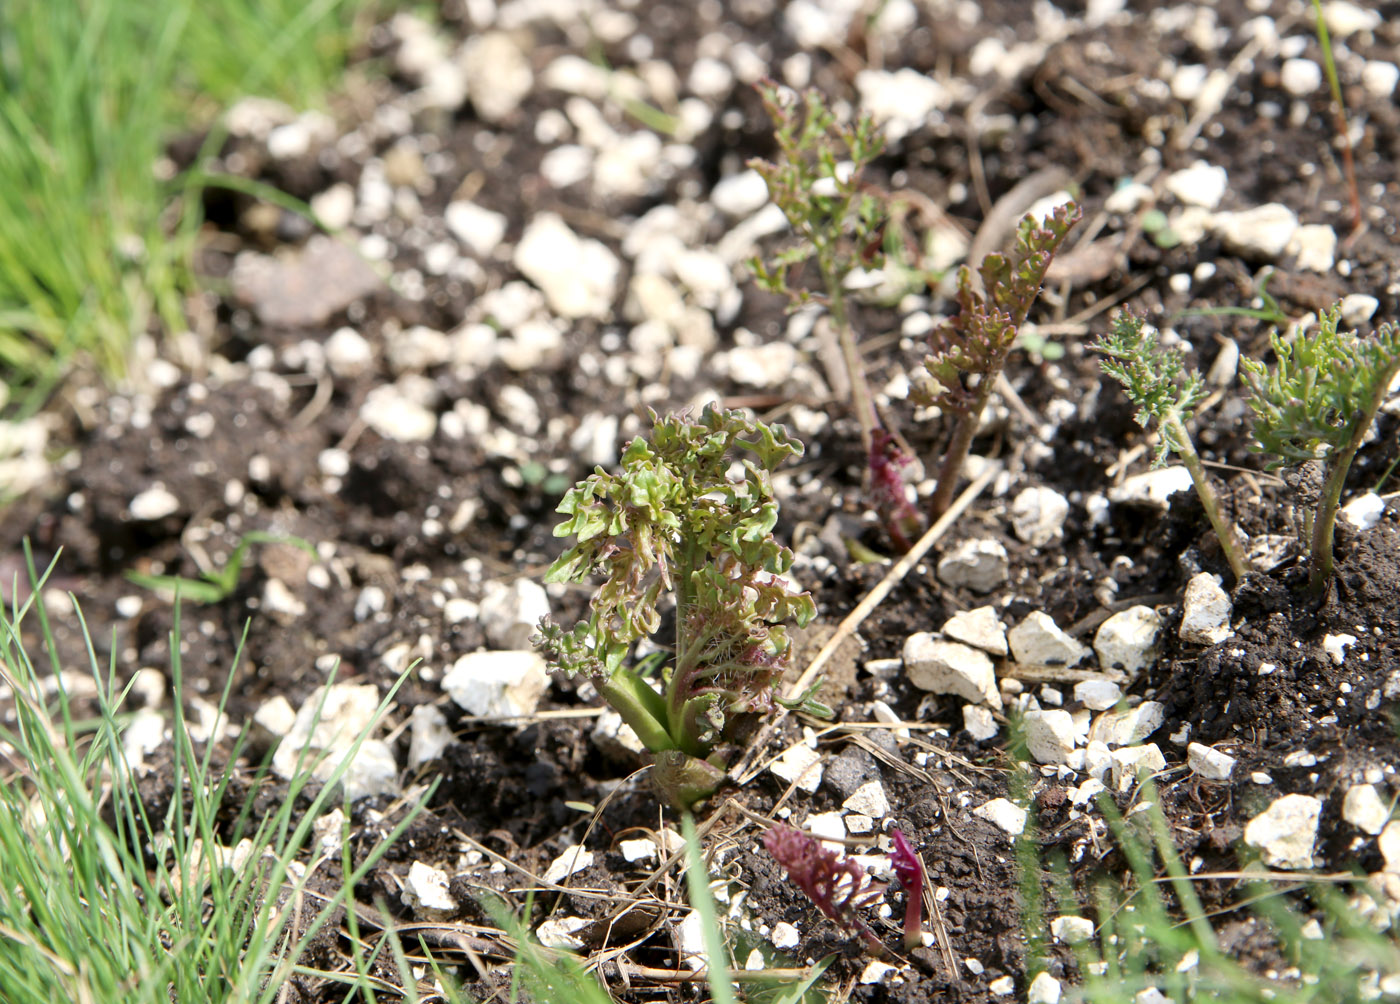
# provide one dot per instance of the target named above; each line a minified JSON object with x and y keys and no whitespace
{"x":326,"y":726}
{"x":1358,"y":308}
{"x":1260,"y":234}
{"x":1201,"y":184}
{"x":1364,"y":511}
{"x":1037,"y":640}
{"x":848,"y":770}
{"x":979,"y":565}
{"x":394,"y":415}
{"x":1128,"y":728}
{"x":304,"y":289}
{"x":740,"y":194}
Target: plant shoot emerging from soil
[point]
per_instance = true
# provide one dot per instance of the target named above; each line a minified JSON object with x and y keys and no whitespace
{"x":909,"y":867}
{"x":968,"y":350}
{"x":837,"y":885}
{"x":1159,"y":386}
{"x":673,"y":521}
{"x":1314,"y":407}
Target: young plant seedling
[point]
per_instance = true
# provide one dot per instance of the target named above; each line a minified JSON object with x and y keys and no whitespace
{"x":967,"y":351}
{"x":217,"y":584}
{"x":1315,"y":406}
{"x":837,"y":885}
{"x":1156,"y":382}
{"x":909,"y":867}
{"x":672,"y":521}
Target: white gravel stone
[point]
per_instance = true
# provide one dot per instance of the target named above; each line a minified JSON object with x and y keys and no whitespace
{"x":277,"y":715}
{"x":980,"y":565}
{"x":1379,"y":78}
{"x":1364,"y":511}
{"x":1044,"y":989}
{"x":979,"y":722}
{"x":1128,"y":640}
{"x":348,"y":353}
{"x":335,"y":207}
{"x":281,"y":602}
{"x":1260,"y":234}
{"x":1209,"y":763}
{"x":1038,"y":515}
{"x":144,"y":734}
{"x":1314,"y":247}
{"x":566,"y":165}
{"x":425,"y":891}
{"x":1153,"y":488}
{"x":1362,"y":807}
{"x":875,"y":973}
{"x":480,"y":230}
{"x":1345,"y":18}
{"x":802,"y":764}
{"x":395,"y":415}
{"x":615,"y":737}
{"x":1050,"y":735}
{"x":574,"y":859}
{"x":1336,"y":645}
{"x":1285,"y":831}
{"x":428,"y":735}
{"x":1201,"y":184}
{"x":949,"y":667}
{"x":498,"y":74}
{"x":1098,"y":760}
{"x":1097,"y":695}
{"x":1206,"y":609}
{"x":1127,"y":762}
{"x":496,"y":684}
{"x":900,"y":101}
{"x":1037,"y":640}
{"x":784,"y":935}
{"x":740,"y":194}
{"x":766,"y":365}
{"x":578,"y":276}
{"x":416,"y":349}
{"x":156,"y":502}
{"x":562,"y":933}
{"x":1002,"y":986}
{"x":1300,"y":77}
{"x":1389,"y":844}
{"x":1128,"y":728}
{"x":1128,"y":198}
{"x":868,"y":800}
{"x":1072,"y":930}
{"x":1358,"y":308}
{"x":1003,"y":814}
{"x":640,"y":849}
{"x":324,"y":731}
{"x":510,"y":614}
{"x":980,"y":628}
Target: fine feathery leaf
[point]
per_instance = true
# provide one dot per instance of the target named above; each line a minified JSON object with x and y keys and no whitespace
{"x":1152,"y":376}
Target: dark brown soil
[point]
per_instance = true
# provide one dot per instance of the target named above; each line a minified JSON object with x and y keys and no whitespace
{"x":1096,"y":102}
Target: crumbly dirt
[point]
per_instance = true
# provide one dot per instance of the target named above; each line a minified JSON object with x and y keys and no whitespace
{"x":237,"y":435}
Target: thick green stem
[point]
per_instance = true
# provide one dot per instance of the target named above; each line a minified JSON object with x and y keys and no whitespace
{"x":640,"y":707}
{"x":1338,"y":464}
{"x":1225,"y":531}
{"x":956,"y":454}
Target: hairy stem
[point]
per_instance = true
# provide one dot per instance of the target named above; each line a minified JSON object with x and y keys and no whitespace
{"x":956,"y":454}
{"x":1224,"y":529}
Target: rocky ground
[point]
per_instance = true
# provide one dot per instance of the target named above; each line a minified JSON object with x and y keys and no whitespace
{"x":541,"y":214}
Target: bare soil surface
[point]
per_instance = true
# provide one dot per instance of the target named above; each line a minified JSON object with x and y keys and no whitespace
{"x":262,"y":420}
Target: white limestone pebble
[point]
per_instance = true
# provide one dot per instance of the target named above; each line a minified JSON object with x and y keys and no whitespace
{"x":1098,"y":760}
{"x":156,"y":502}
{"x":1358,"y":308}
{"x":979,"y":722}
{"x":1345,"y":18}
{"x":1038,"y":516}
{"x":1209,"y":763}
{"x":640,"y":849}
{"x":479,"y":229}
{"x":1128,"y":640}
{"x":1285,"y":831}
{"x":1261,"y":233}
{"x":578,"y":276}
{"x":1379,"y":77}
{"x":561,"y":932}
{"x":1300,"y":77}
{"x":1364,"y":511}
{"x":949,"y":667}
{"x":348,"y":353}
{"x":1314,"y":247}
{"x":1004,"y":814}
{"x":1389,"y":844}
{"x":1201,"y":184}
{"x":497,"y":684}
{"x":980,"y":628}
{"x":1128,"y":728}
{"x":875,"y":973}
{"x":395,"y":415}
{"x":1206,"y":609}
{"x":1151,"y":489}
{"x":1362,"y":807}
{"x":497,"y":72}
{"x":510,"y":614}
{"x":1130,"y":760}
{"x":1044,"y":989}
{"x":335,"y":207}
{"x":868,"y":800}
{"x":425,"y":891}
{"x":1038,"y":640}
{"x":1097,"y":695}
{"x":428,"y":735}
{"x":980,"y":565}
{"x":802,"y":764}
{"x":1050,"y":735}
{"x":1336,"y":645}
{"x":784,"y":935}
{"x":277,"y":715}
{"x":326,"y":726}
{"x":1002,"y":986}
{"x":1072,"y":930}
{"x":900,"y":101}
{"x":574,"y":859}
{"x":740,"y":194}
